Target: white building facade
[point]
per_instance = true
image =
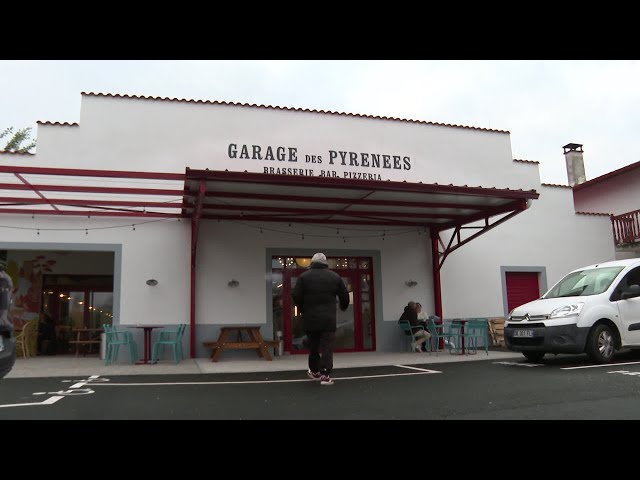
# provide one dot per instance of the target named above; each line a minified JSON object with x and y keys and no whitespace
{"x":244,"y":269}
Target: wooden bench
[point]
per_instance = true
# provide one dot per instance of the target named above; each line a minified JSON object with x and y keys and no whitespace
{"x":271,"y":343}
{"x":255,"y":342}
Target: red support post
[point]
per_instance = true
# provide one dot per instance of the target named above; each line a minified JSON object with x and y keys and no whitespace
{"x":195,"y":225}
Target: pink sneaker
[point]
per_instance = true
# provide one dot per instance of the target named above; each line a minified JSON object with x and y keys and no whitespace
{"x":326,"y":380}
{"x":313,"y":376}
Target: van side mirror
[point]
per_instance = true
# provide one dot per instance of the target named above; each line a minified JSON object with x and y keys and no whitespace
{"x":631,"y":292}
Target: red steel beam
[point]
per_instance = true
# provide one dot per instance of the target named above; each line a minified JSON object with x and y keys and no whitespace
{"x":195,"y":226}
{"x":84,"y":189}
{"x":313,"y":211}
{"x":76,"y":172}
{"x":353,"y":201}
{"x":483,"y":213}
{"x":437,"y":286}
{"x":258,"y":218}
{"x":74,"y":202}
{"x":92,"y":213}
{"x":24,"y":181}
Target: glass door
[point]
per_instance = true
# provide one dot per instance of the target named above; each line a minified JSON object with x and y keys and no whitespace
{"x":76,"y":307}
{"x":355,"y":327}
{"x":348,"y":322}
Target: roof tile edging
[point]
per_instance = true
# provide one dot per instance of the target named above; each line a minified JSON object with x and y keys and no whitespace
{"x":216,"y":102}
{"x":595,"y":213}
{"x":556,"y":185}
{"x":9,"y":152}
{"x":64,"y":124}
{"x":526,"y":161}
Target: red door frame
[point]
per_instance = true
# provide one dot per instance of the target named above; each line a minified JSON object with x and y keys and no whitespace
{"x":287,"y":304}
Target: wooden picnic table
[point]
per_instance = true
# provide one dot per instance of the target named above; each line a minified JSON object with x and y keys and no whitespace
{"x":225,"y":341}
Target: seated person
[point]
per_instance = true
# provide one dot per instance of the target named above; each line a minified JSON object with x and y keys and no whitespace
{"x":47,"y":344}
{"x":422,"y":318}
{"x":421,"y":334}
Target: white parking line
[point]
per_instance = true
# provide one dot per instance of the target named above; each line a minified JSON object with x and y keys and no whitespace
{"x":519,"y":364}
{"x":48,"y":401}
{"x":419,"y":369}
{"x":600,"y":366}
{"x":94,"y":380}
{"x":75,"y":389}
{"x":255,"y":382}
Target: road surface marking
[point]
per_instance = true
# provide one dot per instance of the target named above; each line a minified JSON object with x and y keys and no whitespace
{"x":256,"y":382}
{"x":599,"y":366}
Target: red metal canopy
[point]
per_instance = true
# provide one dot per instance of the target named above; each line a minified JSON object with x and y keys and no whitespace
{"x":259,"y":197}
{"x":279,"y":198}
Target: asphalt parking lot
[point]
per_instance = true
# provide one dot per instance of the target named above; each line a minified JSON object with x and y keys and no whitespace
{"x":563,"y":387}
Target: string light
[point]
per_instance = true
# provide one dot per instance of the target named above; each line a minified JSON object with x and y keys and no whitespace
{"x":369,"y":233}
{"x":365,"y":233}
{"x":84,"y":228}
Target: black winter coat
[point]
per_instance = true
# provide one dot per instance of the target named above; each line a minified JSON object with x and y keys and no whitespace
{"x":315,"y":295}
{"x":411,"y":315}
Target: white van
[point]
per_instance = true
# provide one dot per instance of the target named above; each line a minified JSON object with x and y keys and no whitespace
{"x":595,"y":310}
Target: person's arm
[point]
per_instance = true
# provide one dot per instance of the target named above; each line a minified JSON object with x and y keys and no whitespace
{"x":298,"y":294}
{"x":343,"y":295}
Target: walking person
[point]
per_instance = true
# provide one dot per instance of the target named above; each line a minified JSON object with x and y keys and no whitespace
{"x":315,"y":296}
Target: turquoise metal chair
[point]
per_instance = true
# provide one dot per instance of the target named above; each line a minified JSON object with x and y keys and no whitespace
{"x":114,"y":339}
{"x":452,"y":335}
{"x":434,"y":327}
{"x":476,"y":329}
{"x":410,"y":331}
{"x":173,"y":338}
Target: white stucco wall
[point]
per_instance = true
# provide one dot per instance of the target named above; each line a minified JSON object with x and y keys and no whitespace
{"x":616,"y":195}
{"x":549,"y":234}
{"x":167,"y":136}
{"x":232,"y":251}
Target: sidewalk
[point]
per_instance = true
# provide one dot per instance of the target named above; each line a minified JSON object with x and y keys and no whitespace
{"x":69,"y":366}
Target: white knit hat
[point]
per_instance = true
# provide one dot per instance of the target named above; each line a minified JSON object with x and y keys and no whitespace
{"x":319,"y":258}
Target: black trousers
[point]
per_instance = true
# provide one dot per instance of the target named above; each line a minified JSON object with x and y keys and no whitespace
{"x":321,"y":346}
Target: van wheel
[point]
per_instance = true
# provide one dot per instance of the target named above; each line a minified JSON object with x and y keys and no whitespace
{"x":601,"y":344}
{"x":533,"y":357}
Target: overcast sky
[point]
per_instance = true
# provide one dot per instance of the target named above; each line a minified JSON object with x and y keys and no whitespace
{"x":544,"y":104}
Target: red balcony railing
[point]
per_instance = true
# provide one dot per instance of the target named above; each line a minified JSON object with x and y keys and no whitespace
{"x":626,"y":228}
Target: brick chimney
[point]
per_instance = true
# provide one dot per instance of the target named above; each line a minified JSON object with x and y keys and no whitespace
{"x":575,"y":163}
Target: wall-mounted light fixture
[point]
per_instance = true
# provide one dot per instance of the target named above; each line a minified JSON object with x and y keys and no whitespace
{"x":152,"y":282}
{"x":233,"y":283}
{"x":410,"y":283}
